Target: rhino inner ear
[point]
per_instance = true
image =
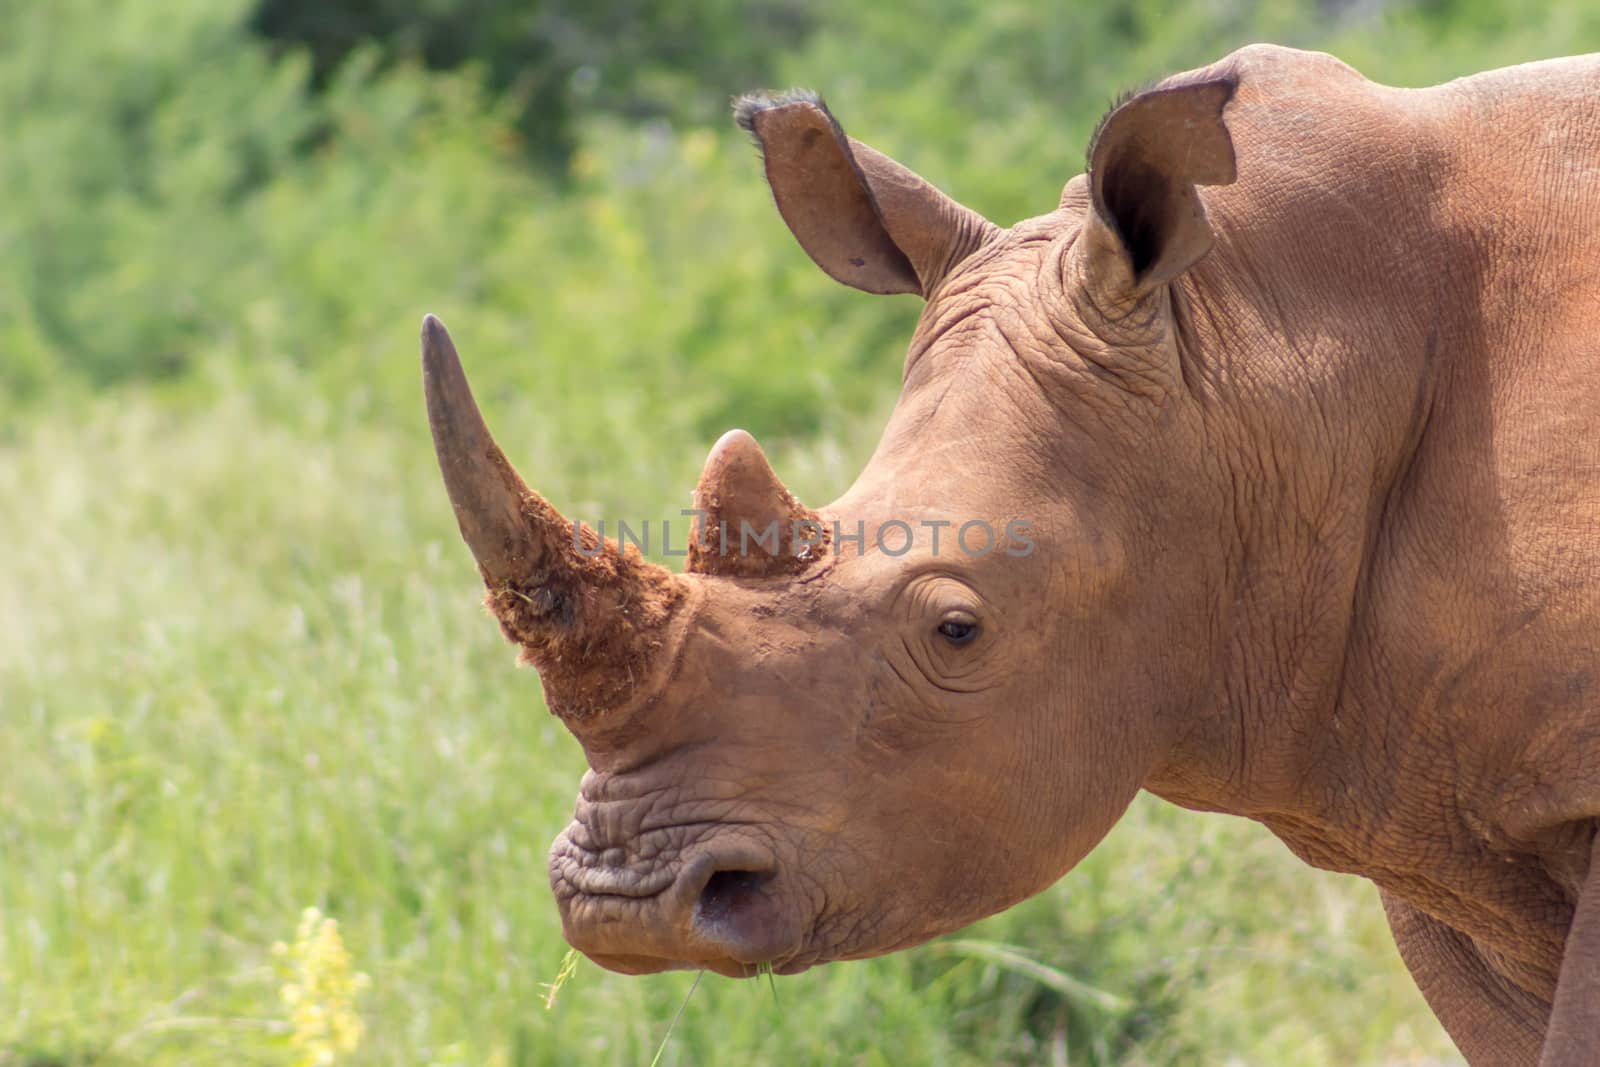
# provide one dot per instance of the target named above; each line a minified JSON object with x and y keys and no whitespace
{"x":866,"y":220}
{"x":1145,"y":161}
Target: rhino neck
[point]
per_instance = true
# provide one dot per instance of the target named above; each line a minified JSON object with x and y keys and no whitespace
{"x":1378,"y":397}
{"x":1312,"y":514}
{"x":1319,"y":352}
{"x":1407,"y":690}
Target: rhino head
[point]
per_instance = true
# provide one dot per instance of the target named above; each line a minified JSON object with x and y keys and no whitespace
{"x":875,"y":728}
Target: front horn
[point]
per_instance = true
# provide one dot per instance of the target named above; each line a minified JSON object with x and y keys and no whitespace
{"x":590,"y":615}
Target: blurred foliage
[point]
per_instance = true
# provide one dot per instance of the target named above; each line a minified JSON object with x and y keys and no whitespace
{"x":557,"y":57}
{"x":242,"y":669}
{"x":178,"y":194}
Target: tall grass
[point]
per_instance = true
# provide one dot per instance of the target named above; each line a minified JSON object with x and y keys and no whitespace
{"x":244,"y":671}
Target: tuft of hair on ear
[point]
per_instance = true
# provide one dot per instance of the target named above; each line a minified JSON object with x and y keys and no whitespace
{"x":1176,"y":81}
{"x":1111,"y":109}
{"x":748,"y":106}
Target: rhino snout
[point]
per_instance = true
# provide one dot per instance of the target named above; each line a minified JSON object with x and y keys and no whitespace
{"x":718,"y":905}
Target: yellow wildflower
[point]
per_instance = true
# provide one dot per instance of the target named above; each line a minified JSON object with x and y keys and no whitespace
{"x":320,"y":991}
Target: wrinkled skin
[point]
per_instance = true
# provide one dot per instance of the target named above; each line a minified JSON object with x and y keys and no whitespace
{"x":844,"y":780}
{"x":1310,"y":462}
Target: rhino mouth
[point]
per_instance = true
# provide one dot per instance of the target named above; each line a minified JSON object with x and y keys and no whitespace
{"x":722,"y":906}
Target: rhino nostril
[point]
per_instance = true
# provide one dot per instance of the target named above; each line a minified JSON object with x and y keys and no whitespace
{"x":727,"y":893}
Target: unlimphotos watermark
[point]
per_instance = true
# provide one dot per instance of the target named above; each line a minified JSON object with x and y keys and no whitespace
{"x":808,"y":538}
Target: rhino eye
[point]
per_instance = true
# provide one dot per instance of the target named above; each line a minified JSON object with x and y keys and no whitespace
{"x":958,"y":631}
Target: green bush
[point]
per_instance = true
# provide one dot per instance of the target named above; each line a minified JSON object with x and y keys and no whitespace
{"x":556,"y":58}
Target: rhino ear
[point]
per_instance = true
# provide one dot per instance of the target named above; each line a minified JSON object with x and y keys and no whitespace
{"x":1148,"y":224}
{"x":865,"y":219}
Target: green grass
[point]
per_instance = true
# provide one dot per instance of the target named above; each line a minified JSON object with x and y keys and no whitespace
{"x":244,"y":670}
